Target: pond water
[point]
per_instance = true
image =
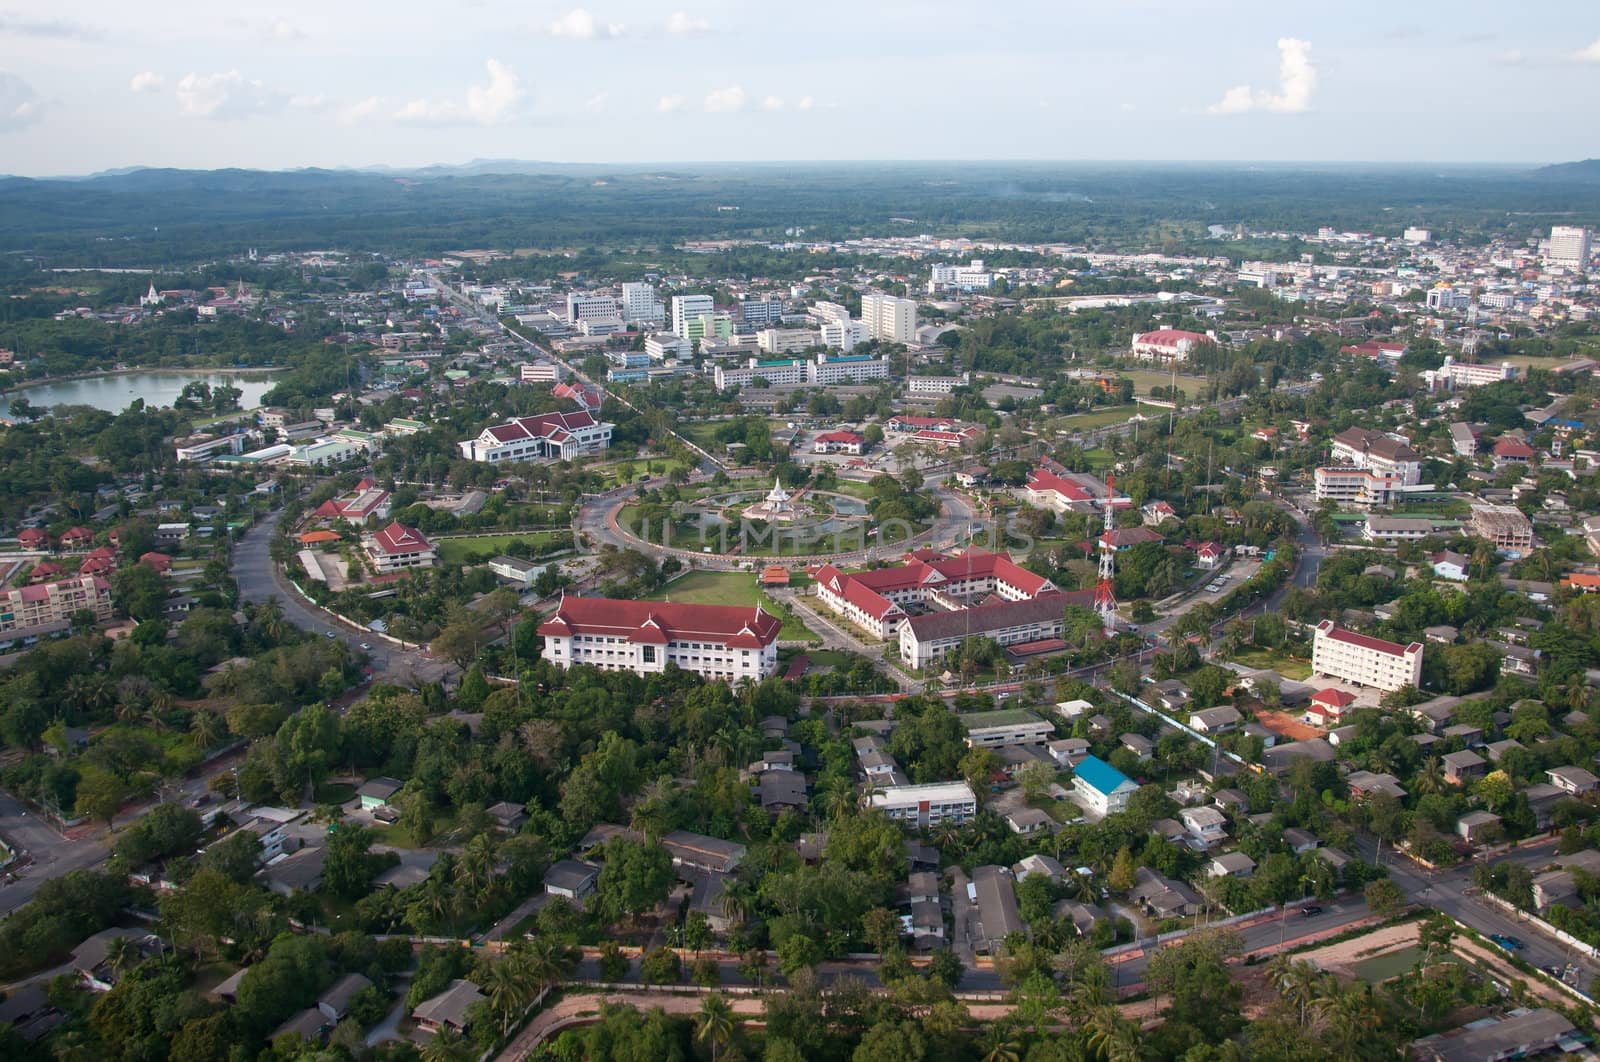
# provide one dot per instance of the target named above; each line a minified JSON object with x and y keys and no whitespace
{"x":114,"y":393}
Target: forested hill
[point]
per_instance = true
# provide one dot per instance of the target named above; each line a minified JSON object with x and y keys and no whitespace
{"x":155,"y":216}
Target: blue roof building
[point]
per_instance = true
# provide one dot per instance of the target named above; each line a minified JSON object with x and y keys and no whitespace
{"x":1100,"y":787}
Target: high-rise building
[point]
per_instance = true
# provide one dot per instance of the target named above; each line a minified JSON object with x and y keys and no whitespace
{"x":761,"y":313}
{"x":639,"y":305}
{"x":687,"y":310}
{"x":1570,"y":245}
{"x":889,"y":318}
{"x":590,"y":307}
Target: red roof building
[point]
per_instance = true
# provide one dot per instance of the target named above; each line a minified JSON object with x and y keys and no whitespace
{"x":1167,"y":344}
{"x":44,"y":571}
{"x":49,"y":604}
{"x":873,"y":600}
{"x":1363,"y":660}
{"x":368,"y":500}
{"x":76,"y":538}
{"x":160,"y":562}
{"x":905,"y":423}
{"x":398,"y":546}
{"x":1328,"y":706}
{"x":1512,"y":451}
{"x":719,"y":642}
{"x":547,"y":437}
{"x":839,"y":442}
{"x":33,"y":538}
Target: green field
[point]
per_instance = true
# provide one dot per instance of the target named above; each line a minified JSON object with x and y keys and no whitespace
{"x":641,"y":468}
{"x":1096,"y":418}
{"x":732,"y":588}
{"x":456,"y":550}
{"x":1288,"y":667}
{"x":1145,"y":379}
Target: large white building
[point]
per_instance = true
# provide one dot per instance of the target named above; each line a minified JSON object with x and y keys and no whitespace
{"x":1167,"y":344}
{"x":971,"y":277}
{"x":687,"y":311}
{"x":1380,"y":453}
{"x":397,"y":547}
{"x":546,"y":437}
{"x":928,"y":638}
{"x":936,"y":385}
{"x":1570,"y":245}
{"x":760,"y":313}
{"x":926,"y":806}
{"x":1455,"y":376}
{"x":1102,"y":788}
{"x":889,"y":318}
{"x":842,"y":335}
{"x":873,"y":600}
{"x":849,"y":368}
{"x":721,"y":642}
{"x":820,"y":371}
{"x":1363,"y":660}
{"x":1357,"y":486}
{"x":582,"y":307}
{"x":1445,"y":297}
{"x":786,"y":340}
{"x":42,"y":604}
{"x":639,"y":305}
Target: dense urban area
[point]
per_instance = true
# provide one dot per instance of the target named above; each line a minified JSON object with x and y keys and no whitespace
{"x":1001,"y":632}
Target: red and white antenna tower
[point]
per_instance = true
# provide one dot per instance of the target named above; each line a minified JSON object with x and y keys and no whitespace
{"x":1105,"y":594}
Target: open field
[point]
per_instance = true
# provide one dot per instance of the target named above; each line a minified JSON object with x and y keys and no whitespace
{"x":731,"y":588}
{"x":1285,"y":665}
{"x":456,"y":550}
{"x":1095,"y":418}
{"x":1145,"y":379}
{"x":641,"y":468}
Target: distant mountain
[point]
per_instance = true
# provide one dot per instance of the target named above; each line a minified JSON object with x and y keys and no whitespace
{"x":1585,"y":172}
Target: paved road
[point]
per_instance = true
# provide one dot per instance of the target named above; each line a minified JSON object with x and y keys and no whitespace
{"x":49,"y":854}
{"x":260,"y":580}
{"x":1451,"y":891}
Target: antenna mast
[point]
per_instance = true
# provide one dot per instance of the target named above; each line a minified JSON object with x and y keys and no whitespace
{"x":1105,"y":596}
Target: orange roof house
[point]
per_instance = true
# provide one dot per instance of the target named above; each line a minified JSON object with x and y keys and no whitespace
{"x":317,"y":538}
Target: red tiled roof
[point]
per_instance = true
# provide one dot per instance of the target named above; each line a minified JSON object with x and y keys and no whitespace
{"x":660,"y":621}
{"x":1043,"y":480}
{"x":1512,"y":448}
{"x":1365,"y":641}
{"x":1333,"y":698}
{"x":397,"y":538}
{"x":1170,"y":337}
{"x":848,"y":437}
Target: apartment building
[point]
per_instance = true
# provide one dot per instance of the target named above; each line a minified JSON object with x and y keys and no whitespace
{"x":926,"y":639}
{"x":1377,"y":452}
{"x":539,"y":372}
{"x":581,"y":307}
{"x":42,"y":604}
{"x":1456,"y":376}
{"x":639,"y":305}
{"x":873,"y":600}
{"x":760,"y":313}
{"x":850,"y":368}
{"x":775,"y":373}
{"x":1357,"y":486}
{"x":925,"y":806}
{"x":546,"y":437}
{"x":970,"y":277}
{"x":1506,"y":527}
{"x":720,"y":642}
{"x":1018,"y":726}
{"x":1570,"y":246}
{"x":936,"y":385}
{"x":842,"y":335}
{"x":889,"y":318}
{"x":1363,"y":660}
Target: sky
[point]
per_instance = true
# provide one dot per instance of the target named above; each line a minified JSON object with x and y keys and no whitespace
{"x":89,"y":85}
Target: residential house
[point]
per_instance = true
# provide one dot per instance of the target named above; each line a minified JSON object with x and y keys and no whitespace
{"x":1464,"y":766}
{"x":335,"y":1002}
{"x":1163,"y":897}
{"x":1475,"y":826}
{"x":998,"y":917}
{"x":377,"y":792}
{"x":571,"y":879}
{"x":1100,"y":787}
{"x":1206,"y":825}
{"x":1231,"y":865}
{"x":1219,"y":720}
{"x":1028,"y":821}
{"x":448,"y":1009}
{"x":1575,"y":781}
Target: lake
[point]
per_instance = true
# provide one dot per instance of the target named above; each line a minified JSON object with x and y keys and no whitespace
{"x":114,"y":393}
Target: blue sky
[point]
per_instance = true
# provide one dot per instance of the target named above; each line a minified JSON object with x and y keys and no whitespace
{"x":88,"y":85}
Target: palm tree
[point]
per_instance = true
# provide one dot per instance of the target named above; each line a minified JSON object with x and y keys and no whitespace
{"x":735,"y":901}
{"x":1000,"y":1047}
{"x":507,"y":986}
{"x":123,"y":954}
{"x":1111,"y":1036}
{"x":1300,"y":983}
{"x":715,"y":1022}
{"x":205,"y":729}
{"x":447,"y":1045}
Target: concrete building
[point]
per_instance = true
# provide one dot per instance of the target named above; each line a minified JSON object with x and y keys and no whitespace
{"x":844,"y":335}
{"x":936,"y":385}
{"x":928,"y":805}
{"x":1457,"y":376}
{"x":27,"y":607}
{"x":582,"y":307}
{"x":1377,"y":452}
{"x":928,"y":638}
{"x":787,"y":340}
{"x":1363,"y":660}
{"x":1359,"y":487}
{"x":759,"y":312}
{"x":546,"y":437}
{"x":1101,"y":787}
{"x":721,"y":642}
{"x":1167,"y":344}
{"x":1570,"y":246}
{"x":640,"y":306}
{"x":1016,"y":726}
{"x":397,"y":547}
{"x":889,"y":319}
{"x":1506,"y":527}
{"x":687,"y":311}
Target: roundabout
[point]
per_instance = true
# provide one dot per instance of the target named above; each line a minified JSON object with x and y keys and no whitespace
{"x":748,"y":520}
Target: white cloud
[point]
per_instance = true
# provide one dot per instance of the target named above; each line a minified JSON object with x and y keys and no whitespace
{"x":147,"y":81}
{"x":359,"y":111}
{"x":61,"y":29}
{"x":310,"y":103}
{"x":284,"y":30}
{"x":19,"y":104}
{"x":580,"y":25}
{"x":805,"y":103}
{"x":1297,"y":79}
{"x":669,"y":104}
{"x":682,"y":24}
{"x":1513,"y":57}
{"x":222,"y":96}
{"x":725,"y":100}
{"x":491,"y":103}
{"x":1590,"y":54}
{"x":772,"y":103}
{"x":597,"y":103}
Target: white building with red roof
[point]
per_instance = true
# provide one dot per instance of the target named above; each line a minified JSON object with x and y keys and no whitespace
{"x":398,"y":547}
{"x":874,"y":600}
{"x":1329,"y":706}
{"x":546,"y":437}
{"x":1167,"y":344}
{"x":26,"y":607}
{"x":1048,"y":490}
{"x":367,"y":500}
{"x":839,"y":442}
{"x":1363,"y":660}
{"x":721,"y":642}
{"x":907,"y":423}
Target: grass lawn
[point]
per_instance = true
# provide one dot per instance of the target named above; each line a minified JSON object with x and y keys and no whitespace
{"x":1533,"y":361}
{"x":456,"y":550}
{"x":1145,"y":379}
{"x":641,"y":468}
{"x":335,"y":793}
{"x":1283,"y":664}
{"x":732,"y":588}
{"x":1095,"y":418}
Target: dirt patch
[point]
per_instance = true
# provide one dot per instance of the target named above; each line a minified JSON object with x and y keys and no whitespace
{"x":1285,"y":725}
{"x":1339,"y":958}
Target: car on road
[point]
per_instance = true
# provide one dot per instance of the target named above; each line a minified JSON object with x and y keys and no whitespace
{"x":1507,"y":942}
{"x":1310,"y":910}
{"x":331,"y":635}
{"x":367,"y":646}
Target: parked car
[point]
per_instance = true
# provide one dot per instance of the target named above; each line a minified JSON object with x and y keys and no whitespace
{"x":1506,"y":942}
{"x":1310,"y":910}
